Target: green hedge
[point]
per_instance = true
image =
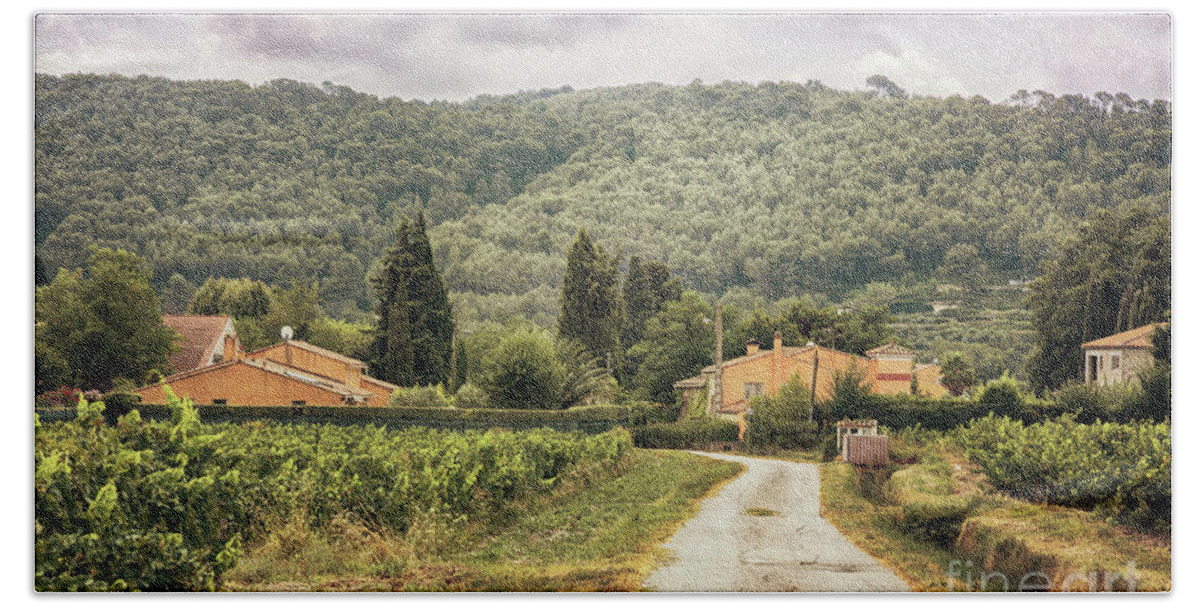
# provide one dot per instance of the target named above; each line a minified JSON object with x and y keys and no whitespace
{"x":686,"y":434}
{"x":588,"y":418}
{"x":906,"y":411}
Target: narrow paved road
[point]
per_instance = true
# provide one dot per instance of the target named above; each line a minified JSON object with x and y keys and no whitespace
{"x":791,"y":548}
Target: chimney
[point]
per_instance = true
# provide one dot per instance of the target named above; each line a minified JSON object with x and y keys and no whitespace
{"x":230,"y":350}
{"x":751,"y":347}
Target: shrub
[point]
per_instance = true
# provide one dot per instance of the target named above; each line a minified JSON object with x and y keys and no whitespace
{"x":470,"y":396}
{"x":523,"y":371}
{"x":782,"y":420}
{"x":420,"y":396}
{"x":1002,"y":396}
{"x":686,"y":434}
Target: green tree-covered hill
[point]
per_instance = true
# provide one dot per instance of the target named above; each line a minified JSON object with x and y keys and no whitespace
{"x":780,"y":188}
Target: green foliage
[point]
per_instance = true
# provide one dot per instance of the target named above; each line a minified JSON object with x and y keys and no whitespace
{"x":420,"y":396}
{"x":470,"y":396}
{"x":1155,"y":395}
{"x":957,"y":373}
{"x":993,"y":342}
{"x":1115,"y":275}
{"x":648,"y":287}
{"x":929,"y":507}
{"x":677,"y":345}
{"x":784,"y":188}
{"x":102,"y":324}
{"x":524,"y":372}
{"x":585,"y":379}
{"x":963,"y":265}
{"x":1121,"y":469}
{"x":234,"y":297}
{"x":782,"y":420}
{"x":414,"y":332}
{"x":684,"y":435}
{"x":348,"y":338}
{"x":590,"y":307}
{"x":1002,"y":396}
{"x":141,"y":506}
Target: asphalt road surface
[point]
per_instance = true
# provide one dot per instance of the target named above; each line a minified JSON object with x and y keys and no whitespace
{"x":787,"y":546}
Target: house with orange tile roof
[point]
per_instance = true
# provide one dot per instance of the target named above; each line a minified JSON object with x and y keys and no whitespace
{"x":888,"y":370}
{"x":1119,"y":357}
{"x":292,"y":372}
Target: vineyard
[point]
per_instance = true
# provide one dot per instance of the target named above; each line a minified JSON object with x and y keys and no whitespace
{"x":172,"y":505}
{"x":1118,"y":469}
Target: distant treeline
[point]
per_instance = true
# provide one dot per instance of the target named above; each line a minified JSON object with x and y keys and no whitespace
{"x":779,"y":188}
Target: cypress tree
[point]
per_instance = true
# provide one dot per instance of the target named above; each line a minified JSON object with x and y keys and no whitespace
{"x":590,"y":310}
{"x":648,"y":287}
{"x":416,"y":325}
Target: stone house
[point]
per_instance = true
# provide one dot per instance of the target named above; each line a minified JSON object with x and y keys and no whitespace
{"x":1119,"y":357}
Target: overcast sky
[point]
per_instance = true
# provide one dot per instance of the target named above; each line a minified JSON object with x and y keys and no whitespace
{"x":456,"y":56}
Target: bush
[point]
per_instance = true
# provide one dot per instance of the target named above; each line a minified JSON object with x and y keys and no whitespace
{"x":688,"y":434}
{"x":523,"y":371}
{"x":470,"y":396}
{"x":1002,"y":396}
{"x":782,"y":420}
{"x":420,"y":396}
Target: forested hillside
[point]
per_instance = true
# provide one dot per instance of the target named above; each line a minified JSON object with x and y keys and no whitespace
{"x":779,"y":188}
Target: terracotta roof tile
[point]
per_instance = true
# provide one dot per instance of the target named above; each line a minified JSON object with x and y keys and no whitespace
{"x":1138,"y":337}
{"x":201,"y":335}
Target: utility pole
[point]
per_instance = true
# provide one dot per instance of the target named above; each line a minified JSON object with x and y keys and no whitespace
{"x":718,"y":379}
{"x":812,"y":398}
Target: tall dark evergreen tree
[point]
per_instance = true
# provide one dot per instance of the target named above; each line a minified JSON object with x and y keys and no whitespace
{"x":648,"y":287}
{"x":415,"y":329}
{"x":590,"y":310}
{"x":1115,"y":275}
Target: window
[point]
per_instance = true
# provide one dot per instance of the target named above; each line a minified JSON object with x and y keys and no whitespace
{"x":1116,"y":361}
{"x":1093,"y":368}
{"x":219,"y":401}
{"x":752,"y":389}
{"x":299,"y":402}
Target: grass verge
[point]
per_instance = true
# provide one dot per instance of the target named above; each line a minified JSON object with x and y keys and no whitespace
{"x":937,"y":518}
{"x":599,"y":536}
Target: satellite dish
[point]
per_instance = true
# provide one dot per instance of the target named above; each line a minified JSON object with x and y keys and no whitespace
{"x":286,"y":332}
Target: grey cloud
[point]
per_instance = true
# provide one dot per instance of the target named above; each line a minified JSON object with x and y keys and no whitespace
{"x":455,"y":56}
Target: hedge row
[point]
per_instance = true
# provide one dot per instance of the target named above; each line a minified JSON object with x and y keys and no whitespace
{"x":588,"y":418}
{"x":685,"y":434}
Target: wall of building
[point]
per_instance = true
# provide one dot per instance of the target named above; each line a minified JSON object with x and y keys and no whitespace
{"x":1132,"y":360}
{"x":242,"y":384}
{"x":380,"y":394}
{"x":309,"y":361}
